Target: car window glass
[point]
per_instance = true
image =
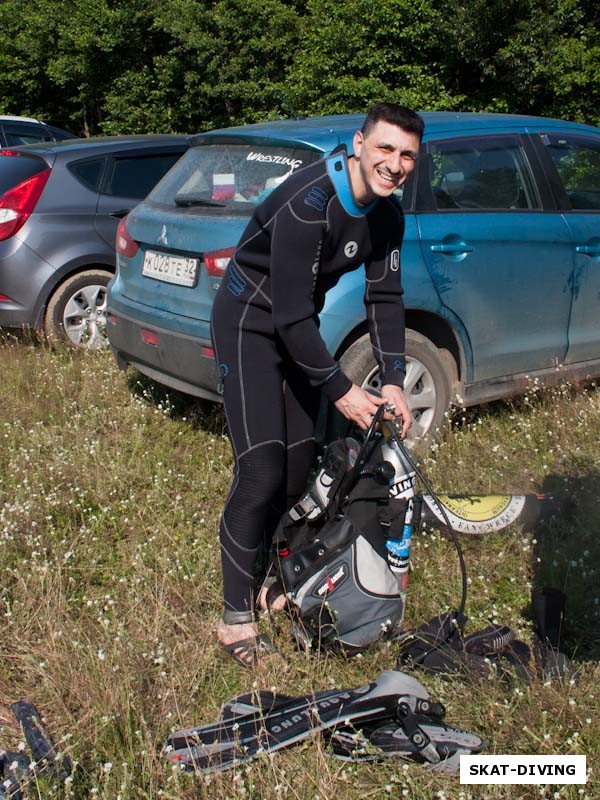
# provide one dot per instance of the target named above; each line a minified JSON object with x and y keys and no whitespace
{"x":136,"y":176}
{"x":233,"y":176}
{"x":16,"y":169}
{"x":58,"y":134}
{"x":88,"y":172}
{"x":25,"y":134}
{"x":577,"y":161}
{"x":404,"y":194}
{"x":480,"y":174}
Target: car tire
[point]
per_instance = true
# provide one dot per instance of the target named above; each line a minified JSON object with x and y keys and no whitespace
{"x":427,"y":386}
{"x":76,"y":312}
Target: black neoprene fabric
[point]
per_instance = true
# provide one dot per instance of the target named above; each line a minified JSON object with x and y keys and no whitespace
{"x":272,"y":360}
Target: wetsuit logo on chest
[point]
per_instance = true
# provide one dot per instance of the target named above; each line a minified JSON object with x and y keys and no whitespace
{"x":350,"y":249}
{"x":316,"y":199}
{"x":395,"y":260}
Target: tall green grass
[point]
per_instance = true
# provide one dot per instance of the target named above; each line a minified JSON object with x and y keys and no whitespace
{"x":110,"y":493}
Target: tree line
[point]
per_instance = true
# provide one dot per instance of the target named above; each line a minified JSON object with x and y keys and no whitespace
{"x":157,"y":66}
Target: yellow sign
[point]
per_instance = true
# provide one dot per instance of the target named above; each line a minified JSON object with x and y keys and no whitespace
{"x":478,"y":513}
{"x":477,"y":509}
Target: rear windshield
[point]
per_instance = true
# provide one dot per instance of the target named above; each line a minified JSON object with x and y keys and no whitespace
{"x":17,"y":133}
{"x":234,"y":177}
{"x":16,"y":169}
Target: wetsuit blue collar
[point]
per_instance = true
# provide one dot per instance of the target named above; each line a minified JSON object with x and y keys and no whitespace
{"x":337,"y":169}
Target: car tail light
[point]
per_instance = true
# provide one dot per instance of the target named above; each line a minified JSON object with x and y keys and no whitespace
{"x":125,"y":245}
{"x":9,"y":153}
{"x":150,"y":337}
{"x":17,"y":204}
{"x":216,"y":261}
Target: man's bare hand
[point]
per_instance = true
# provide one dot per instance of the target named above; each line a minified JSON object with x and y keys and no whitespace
{"x":394,"y":396}
{"x":359,"y":406}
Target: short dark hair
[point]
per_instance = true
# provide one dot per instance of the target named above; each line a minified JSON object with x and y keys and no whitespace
{"x":403,"y":117}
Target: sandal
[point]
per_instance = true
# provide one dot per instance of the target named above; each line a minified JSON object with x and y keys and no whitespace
{"x":247,"y":652}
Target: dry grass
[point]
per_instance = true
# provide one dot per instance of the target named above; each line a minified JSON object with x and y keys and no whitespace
{"x":110,"y":493}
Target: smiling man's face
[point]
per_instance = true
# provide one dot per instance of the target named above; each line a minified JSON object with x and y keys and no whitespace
{"x":384,"y":159}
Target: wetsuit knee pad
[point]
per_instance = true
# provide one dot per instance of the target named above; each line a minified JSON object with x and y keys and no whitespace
{"x":258,"y":483}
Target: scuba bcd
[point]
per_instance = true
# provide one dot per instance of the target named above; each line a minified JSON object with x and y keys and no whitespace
{"x":342,"y":552}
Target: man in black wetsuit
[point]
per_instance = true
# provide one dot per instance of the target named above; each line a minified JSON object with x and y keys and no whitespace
{"x":323,"y":221}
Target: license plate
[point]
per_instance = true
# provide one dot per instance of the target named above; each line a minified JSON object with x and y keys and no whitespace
{"x":170,"y":269}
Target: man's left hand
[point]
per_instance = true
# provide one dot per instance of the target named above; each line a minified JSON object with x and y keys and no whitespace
{"x":394,"y":396}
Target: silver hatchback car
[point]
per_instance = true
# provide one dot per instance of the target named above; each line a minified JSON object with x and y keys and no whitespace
{"x":60,"y":205}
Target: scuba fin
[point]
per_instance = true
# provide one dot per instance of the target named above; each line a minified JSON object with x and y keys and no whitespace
{"x":39,"y":740}
{"x":439,"y":646}
{"x":430,"y":742}
{"x":422,"y":736}
{"x":265,"y":722}
{"x":237,"y":739}
{"x":14,"y":767}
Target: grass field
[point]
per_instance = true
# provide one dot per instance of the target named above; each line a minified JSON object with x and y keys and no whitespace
{"x":110,"y":493}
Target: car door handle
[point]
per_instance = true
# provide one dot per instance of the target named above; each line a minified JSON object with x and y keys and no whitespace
{"x":120,"y":214}
{"x":588,"y":249}
{"x":457,"y":249}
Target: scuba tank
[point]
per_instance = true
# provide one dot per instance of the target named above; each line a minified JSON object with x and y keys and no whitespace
{"x":402,"y":487}
{"x":402,"y":484}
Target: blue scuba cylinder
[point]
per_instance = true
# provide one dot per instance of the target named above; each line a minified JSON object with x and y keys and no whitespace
{"x":398,"y":553}
{"x":402,"y":487}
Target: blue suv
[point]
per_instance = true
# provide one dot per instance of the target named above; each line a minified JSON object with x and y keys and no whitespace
{"x":500,"y":261}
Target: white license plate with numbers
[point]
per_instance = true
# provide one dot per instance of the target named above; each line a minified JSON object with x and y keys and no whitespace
{"x":170,"y":269}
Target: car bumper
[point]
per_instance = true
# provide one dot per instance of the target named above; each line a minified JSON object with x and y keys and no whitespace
{"x":177,"y":360}
{"x":23,"y":278}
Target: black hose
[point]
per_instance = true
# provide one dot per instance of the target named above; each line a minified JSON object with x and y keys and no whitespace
{"x":353,"y":475}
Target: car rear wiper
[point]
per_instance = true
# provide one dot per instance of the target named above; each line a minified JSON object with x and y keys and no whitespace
{"x":194,"y":200}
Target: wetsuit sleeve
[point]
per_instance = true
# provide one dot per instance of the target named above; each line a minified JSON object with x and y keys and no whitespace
{"x":296,"y":241}
{"x":384,"y":304}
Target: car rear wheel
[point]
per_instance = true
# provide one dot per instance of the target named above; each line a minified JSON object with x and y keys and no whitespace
{"x":427,"y":384}
{"x":76,"y":313}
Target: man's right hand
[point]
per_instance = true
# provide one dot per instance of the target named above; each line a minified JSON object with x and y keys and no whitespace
{"x":358,"y":406}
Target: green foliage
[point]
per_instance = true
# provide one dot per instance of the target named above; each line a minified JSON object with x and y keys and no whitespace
{"x":99,"y":40}
{"x":118,"y":66}
{"x":553,"y":59}
{"x":526,"y":56}
{"x":27,"y":45}
{"x":256,"y":40}
{"x":355,"y":53}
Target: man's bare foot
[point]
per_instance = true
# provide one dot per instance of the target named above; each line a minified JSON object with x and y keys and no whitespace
{"x":244,"y":644}
{"x":227,"y":634}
